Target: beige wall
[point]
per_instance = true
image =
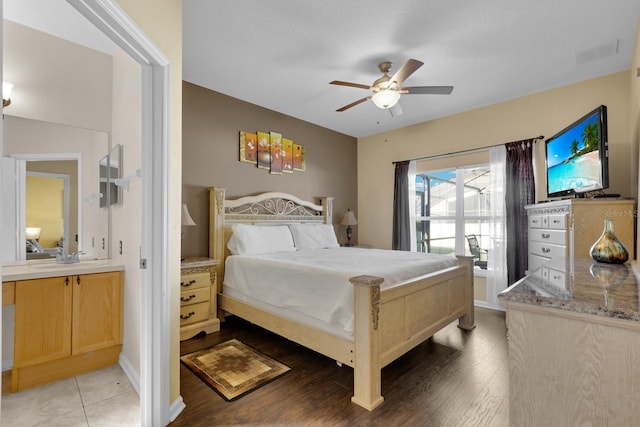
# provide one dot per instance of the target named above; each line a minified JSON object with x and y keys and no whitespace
{"x":73,"y":87}
{"x":634,"y":116}
{"x":211,"y":126}
{"x":543,"y":113}
{"x":161,"y":21}
{"x":126,"y":215}
{"x":62,"y":167}
{"x":45,"y":208}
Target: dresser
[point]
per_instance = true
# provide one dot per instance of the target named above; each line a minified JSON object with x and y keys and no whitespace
{"x":574,"y":346}
{"x":198,"y":307}
{"x":566,"y":229}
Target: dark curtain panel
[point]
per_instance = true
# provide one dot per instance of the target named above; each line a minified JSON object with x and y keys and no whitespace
{"x":401,"y":218}
{"x":520,"y":191}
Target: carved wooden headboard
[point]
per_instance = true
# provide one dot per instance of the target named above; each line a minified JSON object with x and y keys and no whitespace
{"x":265,"y":208}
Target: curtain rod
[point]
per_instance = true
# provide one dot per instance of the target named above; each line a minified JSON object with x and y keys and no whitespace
{"x":468,"y":151}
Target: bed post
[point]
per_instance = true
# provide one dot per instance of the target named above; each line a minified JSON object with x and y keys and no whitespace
{"x":467,"y":322}
{"x":216,"y":229}
{"x":366,"y":368}
{"x":327,"y":209}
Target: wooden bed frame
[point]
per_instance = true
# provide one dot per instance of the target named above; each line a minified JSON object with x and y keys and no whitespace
{"x":388,"y":323}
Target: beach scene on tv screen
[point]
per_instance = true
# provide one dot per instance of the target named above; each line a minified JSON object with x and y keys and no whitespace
{"x":573,"y":158}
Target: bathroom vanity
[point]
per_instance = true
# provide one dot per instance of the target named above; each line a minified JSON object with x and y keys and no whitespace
{"x":68,"y":318}
{"x":574,"y":344}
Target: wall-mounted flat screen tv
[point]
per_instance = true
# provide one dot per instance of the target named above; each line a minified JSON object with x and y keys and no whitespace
{"x":577,"y":156}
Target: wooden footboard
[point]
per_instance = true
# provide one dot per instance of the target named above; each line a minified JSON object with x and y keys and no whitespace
{"x":390,"y":323}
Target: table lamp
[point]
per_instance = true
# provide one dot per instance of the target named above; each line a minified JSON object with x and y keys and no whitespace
{"x":349,"y":219}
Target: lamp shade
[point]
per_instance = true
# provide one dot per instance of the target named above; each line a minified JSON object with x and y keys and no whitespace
{"x":186,"y":216}
{"x":349,"y":218}
{"x":386,"y":98}
{"x":33,"y":233}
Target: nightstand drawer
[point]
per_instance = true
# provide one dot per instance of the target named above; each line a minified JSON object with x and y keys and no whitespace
{"x":194,"y":313}
{"x":194,"y":296}
{"x":195,"y":280}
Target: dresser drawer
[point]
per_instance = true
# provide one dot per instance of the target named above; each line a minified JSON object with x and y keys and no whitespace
{"x":547,"y":250}
{"x":194,"y":296}
{"x":557,"y":222}
{"x":536,"y":262}
{"x":555,"y":277}
{"x":555,"y":237}
{"x":194,"y":313}
{"x":195,"y":280}
{"x":535,"y":221}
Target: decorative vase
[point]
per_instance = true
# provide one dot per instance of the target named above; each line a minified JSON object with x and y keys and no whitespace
{"x":608,"y":248}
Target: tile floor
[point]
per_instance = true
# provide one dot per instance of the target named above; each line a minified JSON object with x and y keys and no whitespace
{"x":100,"y":398}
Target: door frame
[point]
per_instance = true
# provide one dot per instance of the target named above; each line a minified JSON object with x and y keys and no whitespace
{"x":155,"y":332}
{"x":155,"y":251}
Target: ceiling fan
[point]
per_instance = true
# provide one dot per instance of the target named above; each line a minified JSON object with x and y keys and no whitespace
{"x":387,"y":91}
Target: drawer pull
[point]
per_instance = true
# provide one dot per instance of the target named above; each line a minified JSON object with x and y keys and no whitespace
{"x":546,"y":250}
{"x":187,"y":299}
{"x":186,"y":316}
{"x":546,"y":235}
{"x":556,"y":221}
{"x":187,"y":284}
{"x":555,"y":277}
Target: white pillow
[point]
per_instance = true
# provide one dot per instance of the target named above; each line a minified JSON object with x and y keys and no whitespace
{"x":314,"y":236}
{"x":256,"y":239}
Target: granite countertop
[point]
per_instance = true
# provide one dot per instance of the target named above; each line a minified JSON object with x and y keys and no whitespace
{"x":582,"y":286}
{"x":38,"y":269}
{"x":198,"y":262}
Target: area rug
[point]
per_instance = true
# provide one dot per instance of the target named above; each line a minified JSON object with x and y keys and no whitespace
{"x":233,"y":369}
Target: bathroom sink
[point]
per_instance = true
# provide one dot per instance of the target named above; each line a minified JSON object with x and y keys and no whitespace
{"x":55,"y":266}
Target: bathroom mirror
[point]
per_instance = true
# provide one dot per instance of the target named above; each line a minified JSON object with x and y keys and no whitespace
{"x":52,"y":148}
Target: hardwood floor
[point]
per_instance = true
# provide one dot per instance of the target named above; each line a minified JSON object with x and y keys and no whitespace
{"x":456,"y":378}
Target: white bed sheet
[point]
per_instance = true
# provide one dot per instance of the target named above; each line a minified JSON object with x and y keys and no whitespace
{"x":315,"y":282}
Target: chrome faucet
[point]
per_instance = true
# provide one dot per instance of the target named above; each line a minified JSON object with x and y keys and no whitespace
{"x":62,"y":258}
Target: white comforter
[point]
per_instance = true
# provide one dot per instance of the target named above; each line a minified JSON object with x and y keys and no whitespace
{"x":315,"y":282}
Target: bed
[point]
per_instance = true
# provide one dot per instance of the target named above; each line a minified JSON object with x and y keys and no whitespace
{"x":385,"y":319}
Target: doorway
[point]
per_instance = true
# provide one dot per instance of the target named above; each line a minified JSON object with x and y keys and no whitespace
{"x":155,"y":249}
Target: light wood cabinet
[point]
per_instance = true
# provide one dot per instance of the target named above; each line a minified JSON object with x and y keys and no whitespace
{"x":566,"y":229}
{"x":66,"y":326}
{"x":198,"y":296}
{"x":8,"y":293}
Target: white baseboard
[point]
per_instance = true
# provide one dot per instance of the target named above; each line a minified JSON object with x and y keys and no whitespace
{"x":134,"y":377}
{"x":176,"y":408}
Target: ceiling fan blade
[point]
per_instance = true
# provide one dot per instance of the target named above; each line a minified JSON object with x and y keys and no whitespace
{"x":405,"y":71}
{"x":353,"y":104}
{"x":358,"y":85}
{"x":427,"y":90}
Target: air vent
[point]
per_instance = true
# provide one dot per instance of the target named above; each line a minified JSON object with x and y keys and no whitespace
{"x":597,"y":53}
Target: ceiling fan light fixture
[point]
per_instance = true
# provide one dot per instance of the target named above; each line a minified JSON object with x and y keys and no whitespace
{"x":386,"y":98}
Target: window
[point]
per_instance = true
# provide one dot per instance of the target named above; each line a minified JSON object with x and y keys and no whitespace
{"x":452,"y":208}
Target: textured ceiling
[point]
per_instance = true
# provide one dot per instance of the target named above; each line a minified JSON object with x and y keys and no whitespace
{"x":281,"y":54}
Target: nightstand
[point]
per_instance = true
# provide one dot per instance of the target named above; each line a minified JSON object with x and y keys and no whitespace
{"x":198,"y":303}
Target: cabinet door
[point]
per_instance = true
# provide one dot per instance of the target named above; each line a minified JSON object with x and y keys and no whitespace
{"x":43,"y":320}
{"x":97,"y":311}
